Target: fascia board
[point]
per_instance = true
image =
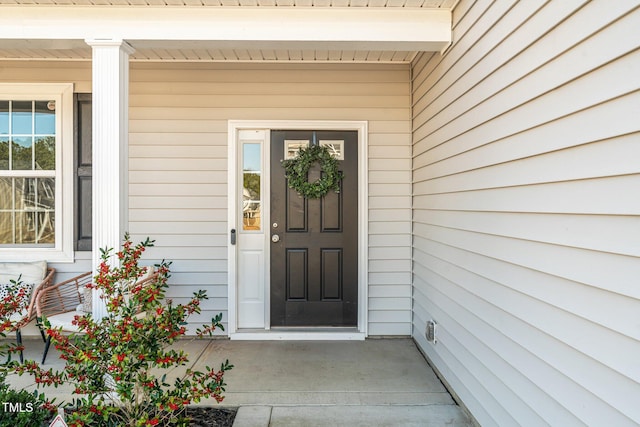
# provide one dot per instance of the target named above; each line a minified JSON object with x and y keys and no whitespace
{"x":344,"y":28}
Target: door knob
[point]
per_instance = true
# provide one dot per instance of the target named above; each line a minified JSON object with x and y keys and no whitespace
{"x":275,"y":238}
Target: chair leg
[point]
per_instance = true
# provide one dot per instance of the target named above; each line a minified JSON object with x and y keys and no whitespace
{"x":41,"y":328}
{"x":46,"y":349}
{"x":19,"y":341}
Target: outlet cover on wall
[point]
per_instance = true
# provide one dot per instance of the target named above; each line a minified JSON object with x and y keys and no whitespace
{"x":430,"y":332}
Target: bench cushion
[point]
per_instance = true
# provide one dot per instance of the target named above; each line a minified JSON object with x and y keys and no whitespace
{"x":32,"y":272}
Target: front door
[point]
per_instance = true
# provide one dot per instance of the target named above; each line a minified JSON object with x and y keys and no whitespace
{"x":314,"y":242}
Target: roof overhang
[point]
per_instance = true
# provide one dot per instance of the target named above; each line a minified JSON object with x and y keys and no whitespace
{"x":278,"y":28}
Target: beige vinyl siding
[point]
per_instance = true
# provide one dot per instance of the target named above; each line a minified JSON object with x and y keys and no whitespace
{"x":78,"y":73}
{"x":178,"y":165}
{"x":178,"y":162}
{"x":526,"y":223}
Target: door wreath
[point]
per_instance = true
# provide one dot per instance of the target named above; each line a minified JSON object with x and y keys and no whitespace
{"x":296,"y":170}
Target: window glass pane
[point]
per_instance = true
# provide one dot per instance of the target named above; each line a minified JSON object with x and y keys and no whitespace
{"x":25,"y":194}
{"x":4,"y":117}
{"x":335,"y":147}
{"x":293,"y":146}
{"x":25,"y":227}
{"x":27,"y":218}
{"x":6,"y":194}
{"x":45,"y":118}
{"x":46,"y":233}
{"x":22,"y":118}
{"x":22,"y":153}
{"x":45,"y":153}
{"x":4,"y":153}
{"x":46,"y":193}
{"x":6,"y":228}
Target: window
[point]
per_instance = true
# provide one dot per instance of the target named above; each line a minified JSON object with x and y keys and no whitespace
{"x":251,"y":192}
{"x":36,"y":171}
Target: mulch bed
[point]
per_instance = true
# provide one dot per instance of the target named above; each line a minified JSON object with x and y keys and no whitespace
{"x":209,"y":416}
{"x":202,"y":416}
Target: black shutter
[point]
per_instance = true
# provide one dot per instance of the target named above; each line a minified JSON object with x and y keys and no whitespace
{"x":83,"y":142}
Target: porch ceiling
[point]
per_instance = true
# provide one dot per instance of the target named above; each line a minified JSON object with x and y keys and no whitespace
{"x":353,"y":31}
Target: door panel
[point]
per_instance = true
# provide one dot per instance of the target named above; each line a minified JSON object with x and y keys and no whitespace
{"x":314,"y":274}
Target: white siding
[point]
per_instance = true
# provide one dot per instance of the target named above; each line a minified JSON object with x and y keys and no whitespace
{"x":178,"y":165}
{"x":526,"y":169}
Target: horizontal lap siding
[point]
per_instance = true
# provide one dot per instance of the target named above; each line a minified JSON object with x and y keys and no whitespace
{"x":526,"y":148}
{"x":178,"y":165}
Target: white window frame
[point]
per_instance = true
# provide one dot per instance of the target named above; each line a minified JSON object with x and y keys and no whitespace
{"x":62,"y":94}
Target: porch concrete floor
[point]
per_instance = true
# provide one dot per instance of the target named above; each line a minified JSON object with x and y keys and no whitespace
{"x":378,"y":382}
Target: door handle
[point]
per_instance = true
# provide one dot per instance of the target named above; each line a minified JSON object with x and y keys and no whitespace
{"x":275,"y":238}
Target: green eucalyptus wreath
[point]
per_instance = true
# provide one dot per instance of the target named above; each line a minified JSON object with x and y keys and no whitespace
{"x":296,"y":170}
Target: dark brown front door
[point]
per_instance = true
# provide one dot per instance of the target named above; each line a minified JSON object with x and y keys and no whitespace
{"x":314,"y":264}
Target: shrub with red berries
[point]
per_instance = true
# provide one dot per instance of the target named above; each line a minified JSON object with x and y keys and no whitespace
{"x":40,"y":409}
{"x":118,"y":364}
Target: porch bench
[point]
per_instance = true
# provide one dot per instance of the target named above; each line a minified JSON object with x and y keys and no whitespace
{"x":31,"y":276}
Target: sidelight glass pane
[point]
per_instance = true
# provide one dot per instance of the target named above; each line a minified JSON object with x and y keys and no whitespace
{"x":45,"y":118}
{"x":251,"y":176}
{"x":251,"y":183}
{"x":4,"y":117}
{"x":251,"y":201}
{"x":22,"y":118}
{"x":4,"y":153}
{"x":22,"y":153}
{"x":251,"y":157}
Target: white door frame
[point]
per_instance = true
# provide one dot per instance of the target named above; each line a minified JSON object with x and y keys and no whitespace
{"x":234,"y":127}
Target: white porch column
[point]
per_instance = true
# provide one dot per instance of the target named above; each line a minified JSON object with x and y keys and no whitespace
{"x":110,"y":148}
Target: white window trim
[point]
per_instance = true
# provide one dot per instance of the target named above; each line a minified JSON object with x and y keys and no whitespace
{"x":62,"y":94}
